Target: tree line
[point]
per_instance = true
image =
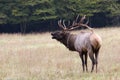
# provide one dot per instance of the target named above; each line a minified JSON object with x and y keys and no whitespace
{"x":37,"y":15}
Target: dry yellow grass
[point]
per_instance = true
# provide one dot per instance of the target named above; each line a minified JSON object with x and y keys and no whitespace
{"x":38,"y":57}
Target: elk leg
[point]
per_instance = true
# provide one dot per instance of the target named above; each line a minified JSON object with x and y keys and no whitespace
{"x":81,"y":56}
{"x":91,"y":55}
{"x":96,"y":57}
{"x":86,"y":56}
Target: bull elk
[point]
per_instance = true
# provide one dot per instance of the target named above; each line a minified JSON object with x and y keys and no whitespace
{"x":86,"y":43}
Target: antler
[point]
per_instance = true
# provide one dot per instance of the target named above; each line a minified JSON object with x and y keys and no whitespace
{"x":63,"y":26}
{"x":80,"y":23}
{"x":75,"y":24}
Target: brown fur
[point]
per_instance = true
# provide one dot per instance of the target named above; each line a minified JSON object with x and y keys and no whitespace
{"x":86,"y":43}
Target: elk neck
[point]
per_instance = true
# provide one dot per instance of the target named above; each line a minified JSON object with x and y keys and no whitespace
{"x":69,"y":40}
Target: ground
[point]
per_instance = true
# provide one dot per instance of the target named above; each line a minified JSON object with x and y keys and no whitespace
{"x":38,"y":57}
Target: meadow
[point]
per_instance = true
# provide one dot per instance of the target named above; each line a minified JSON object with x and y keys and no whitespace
{"x":38,"y":57}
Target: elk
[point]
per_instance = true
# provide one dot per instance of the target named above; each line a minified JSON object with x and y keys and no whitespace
{"x":86,"y":43}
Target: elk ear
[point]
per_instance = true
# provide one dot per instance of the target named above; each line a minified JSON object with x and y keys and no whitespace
{"x":63,"y":34}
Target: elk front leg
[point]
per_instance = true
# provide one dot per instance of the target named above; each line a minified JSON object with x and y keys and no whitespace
{"x":86,"y":56}
{"x":82,"y":59}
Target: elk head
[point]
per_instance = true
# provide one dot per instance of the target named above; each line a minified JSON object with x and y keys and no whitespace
{"x":58,"y":35}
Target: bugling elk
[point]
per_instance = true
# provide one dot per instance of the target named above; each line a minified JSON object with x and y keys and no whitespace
{"x":86,"y":43}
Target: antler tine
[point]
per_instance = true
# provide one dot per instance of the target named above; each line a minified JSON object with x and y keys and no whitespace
{"x":73,"y":23}
{"x":87,"y":22}
{"x":77,"y":18}
{"x":68,"y":23}
{"x":60,"y":25}
{"x":64,"y":24}
{"x":81,"y":20}
{"x":73,"y":27}
{"x":85,"y":25}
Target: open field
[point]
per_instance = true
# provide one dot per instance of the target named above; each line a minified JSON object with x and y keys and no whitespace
{"x":38,"y":57}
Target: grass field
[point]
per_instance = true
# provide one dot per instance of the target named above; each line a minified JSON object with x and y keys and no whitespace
{"x":38,"y":57}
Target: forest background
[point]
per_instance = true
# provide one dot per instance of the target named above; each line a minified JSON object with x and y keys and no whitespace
{"x":26,"y":16}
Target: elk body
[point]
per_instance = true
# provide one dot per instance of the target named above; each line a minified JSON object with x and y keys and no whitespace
{"x":86,"y":43}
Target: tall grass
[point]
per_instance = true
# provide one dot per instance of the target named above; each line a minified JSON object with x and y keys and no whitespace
{"x":38,"y":57}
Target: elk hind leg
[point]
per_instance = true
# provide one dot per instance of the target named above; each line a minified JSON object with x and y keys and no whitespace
{"x":91,"y":55}
{"x":96,"y":58}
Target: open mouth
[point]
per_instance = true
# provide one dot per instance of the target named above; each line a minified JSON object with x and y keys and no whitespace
{"x":53,"y":37}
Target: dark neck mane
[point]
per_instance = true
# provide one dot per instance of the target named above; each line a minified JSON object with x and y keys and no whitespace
{"x":68,"y":41}
{"x":64,"y":40}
